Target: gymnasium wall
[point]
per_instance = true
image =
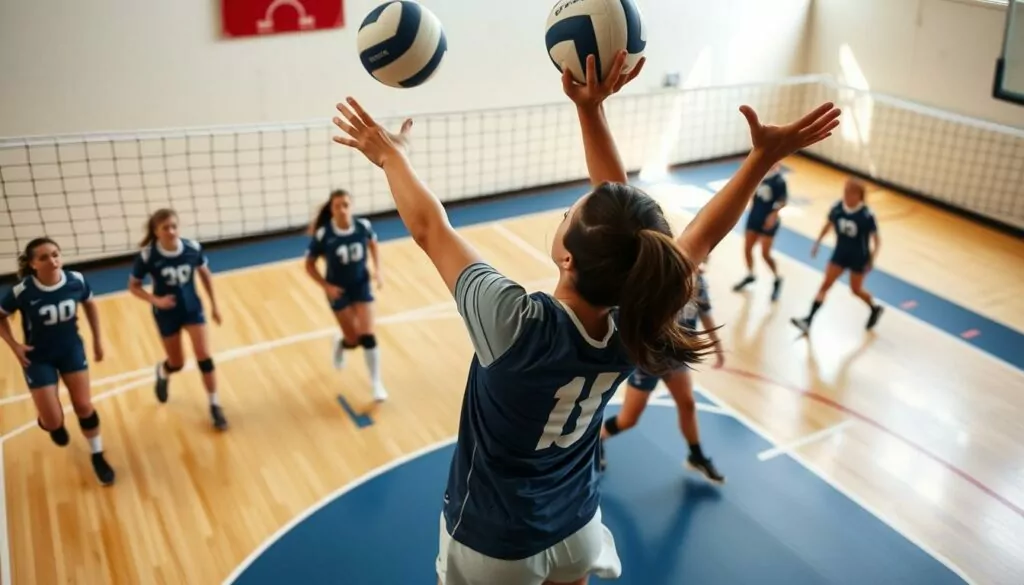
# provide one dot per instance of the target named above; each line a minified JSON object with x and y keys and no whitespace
{"x":936,"y":52}
{"x":126,"y":65}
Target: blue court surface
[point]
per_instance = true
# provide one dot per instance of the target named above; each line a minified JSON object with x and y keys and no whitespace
{"x":772,"y":523}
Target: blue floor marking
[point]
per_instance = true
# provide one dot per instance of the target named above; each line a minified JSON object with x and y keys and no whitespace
{"x":772,"y":523}
{"x":362,"y":420}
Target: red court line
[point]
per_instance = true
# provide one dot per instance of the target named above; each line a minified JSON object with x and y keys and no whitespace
{"x":870,"y":421}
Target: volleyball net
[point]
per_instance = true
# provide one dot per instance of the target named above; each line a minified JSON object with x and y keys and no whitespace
{"x":93,"y":192}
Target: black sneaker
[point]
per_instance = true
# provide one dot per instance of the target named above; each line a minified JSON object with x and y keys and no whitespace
{"x":776,"y":289}
{"x":104,"y":472}
{"x":217,"y":414}
{"x":876,"y":312}
{"x":59,"y":436}
{"x":706,"y":468}
{"x":743,"y":283}
{"x":801,"y":323}
{"x":161,"y":384}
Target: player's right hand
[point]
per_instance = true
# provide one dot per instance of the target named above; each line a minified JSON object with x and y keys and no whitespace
{"x":21,"y":352}
{"x":366,"y":136}
{"x":594,"y":92}
{"x":334,"y":292}
{"x":165,"y":302}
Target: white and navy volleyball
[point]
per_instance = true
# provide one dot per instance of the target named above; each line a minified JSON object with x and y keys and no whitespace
{"x":401,"y":43}
{"x":577,"y":28}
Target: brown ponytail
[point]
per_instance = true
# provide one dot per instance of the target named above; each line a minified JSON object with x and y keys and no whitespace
{"x":25,"y":259}
{"x":660,"y":283}
{"x":159,"y":216}
{"x":624,"y":255}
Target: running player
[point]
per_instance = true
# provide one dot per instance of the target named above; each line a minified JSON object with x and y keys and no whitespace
{"x":857,"y":243}
{"x":680,"y":386}
{"x":762,"y":224}
{"x":48,"y":297}
{"x":522,"y":501}
{"x":345,"y":243}
{"x":172,"y":262}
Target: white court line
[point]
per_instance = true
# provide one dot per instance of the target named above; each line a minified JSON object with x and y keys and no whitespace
{"x":759,"y":430}
{"x":5,"y":548}
{"x":803,"y":441}
{"x":814,"y":469}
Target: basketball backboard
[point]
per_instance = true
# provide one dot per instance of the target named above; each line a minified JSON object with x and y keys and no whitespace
{"x":1009,"y":81}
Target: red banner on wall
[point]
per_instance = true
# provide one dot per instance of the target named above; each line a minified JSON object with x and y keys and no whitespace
{"x":245,"y":18}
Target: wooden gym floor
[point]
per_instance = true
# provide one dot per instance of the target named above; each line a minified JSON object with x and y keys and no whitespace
{"x":915,"y":424}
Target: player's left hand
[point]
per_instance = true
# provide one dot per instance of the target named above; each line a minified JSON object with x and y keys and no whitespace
{"x":778,"y":142}
{"x":719,"y":360}
{"x":593,"y":92}
{"x":375,"y":142}
{"x":377,"y":280}
{"x":97,"y":351}
{"x":216,"y":316}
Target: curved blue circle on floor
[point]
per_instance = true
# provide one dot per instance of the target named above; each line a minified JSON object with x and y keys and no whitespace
{"x":774,"y":522}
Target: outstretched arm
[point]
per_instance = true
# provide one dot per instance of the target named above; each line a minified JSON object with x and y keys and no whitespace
{"x":771,"y":144}
{"x":421,"y":211}
{"x":603,"y":162}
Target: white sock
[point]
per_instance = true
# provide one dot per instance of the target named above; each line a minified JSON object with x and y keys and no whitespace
{"x":214,"y":400}
{"x":373,"y":364}
{"x":96,"y":444}
{"x":162,"y":371}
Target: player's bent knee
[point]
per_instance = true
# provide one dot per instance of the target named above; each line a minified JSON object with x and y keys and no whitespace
{"x":171,"y":368}
{"x":206,"y":366}
{"x":90,"y":422}
{"x":368,"y":341}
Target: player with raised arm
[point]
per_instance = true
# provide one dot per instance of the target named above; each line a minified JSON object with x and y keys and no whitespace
{"x":48,"y":297}
{"x":522,"y":503}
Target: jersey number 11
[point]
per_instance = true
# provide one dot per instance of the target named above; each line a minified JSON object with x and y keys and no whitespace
{"x":567,"y":398}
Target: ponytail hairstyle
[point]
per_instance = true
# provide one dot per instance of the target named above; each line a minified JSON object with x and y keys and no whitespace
{"x":25,"y":259}
{"x":323,"y":217}
{"x":624,"y":255}
{"x":159,"y":216}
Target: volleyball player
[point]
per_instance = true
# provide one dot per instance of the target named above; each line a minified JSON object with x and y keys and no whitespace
{"x":172,"y":263}
{"x":680,"y":385}
{"x":345,"y":243}
{"x":762,"y":224}
{"x":857,"y":243}
{"x":522,"y":504}
{"x":48,"y":297}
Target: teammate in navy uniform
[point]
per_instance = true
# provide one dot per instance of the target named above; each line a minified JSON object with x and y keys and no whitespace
{"x":680,"y":386}
{"x":762,"y":224}
{"x":522,"y":501}
{"x":345,"y":243}
{"x":172,"y":262}
{"x":857,"y":244}
{"x":48,"y":297}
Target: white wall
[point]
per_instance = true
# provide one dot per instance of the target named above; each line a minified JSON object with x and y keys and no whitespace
{"x":122,"y":65}
{"x":937,"y":52}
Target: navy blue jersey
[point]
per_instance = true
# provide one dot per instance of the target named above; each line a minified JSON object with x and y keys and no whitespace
{"x":173,"y":272}
{"x":699,"y":305}
{"x":345,"y":251}
{"x":49,"y":313}
{"x":770,"y":195}
{"x":524,"y":473}
{"x":853,"y":229}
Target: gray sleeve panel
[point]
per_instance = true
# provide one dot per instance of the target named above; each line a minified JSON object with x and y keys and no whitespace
{"x":494,"y":308}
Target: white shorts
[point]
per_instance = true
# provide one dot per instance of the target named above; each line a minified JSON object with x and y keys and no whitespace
{"x":590,"y":549}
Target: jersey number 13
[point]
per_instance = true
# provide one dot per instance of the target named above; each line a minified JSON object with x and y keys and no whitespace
{"x":567,"y":398}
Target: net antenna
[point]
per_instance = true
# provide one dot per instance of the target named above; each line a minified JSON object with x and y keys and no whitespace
{"x":1009,"y":80}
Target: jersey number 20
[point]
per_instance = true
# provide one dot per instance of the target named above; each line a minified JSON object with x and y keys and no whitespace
{"x":62,"y":311}
{"x":567,"y":398}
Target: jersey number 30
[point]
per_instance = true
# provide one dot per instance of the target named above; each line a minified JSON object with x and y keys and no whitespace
{"x":62,"y":311}
{"x":567,"y":398}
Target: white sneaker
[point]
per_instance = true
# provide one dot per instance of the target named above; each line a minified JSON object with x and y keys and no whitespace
{"x":379,"y":393}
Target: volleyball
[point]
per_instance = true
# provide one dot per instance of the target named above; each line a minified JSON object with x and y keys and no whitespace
{"x":577,"y":28}
{"x":401,"y":43}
